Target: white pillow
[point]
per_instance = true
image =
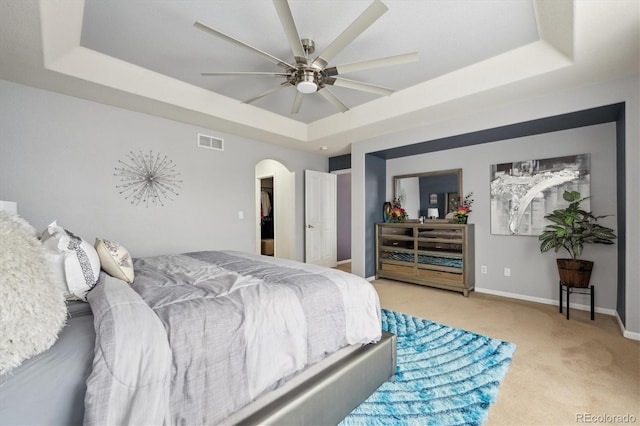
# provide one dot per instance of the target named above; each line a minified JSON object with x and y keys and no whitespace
{"x":32,"y":309}
{"x":115,"y":259}
{"x":74,"y":262}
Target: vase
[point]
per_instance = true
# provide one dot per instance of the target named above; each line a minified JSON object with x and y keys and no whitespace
{"x":386,"y":208}
{"x":460,"y":218}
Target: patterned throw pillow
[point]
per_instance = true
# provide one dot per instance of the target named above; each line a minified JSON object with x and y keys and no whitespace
{"x":74,"y":262}
{"x":115,"y":260}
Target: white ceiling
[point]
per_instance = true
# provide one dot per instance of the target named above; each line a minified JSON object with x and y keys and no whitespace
{"x":160,"y":36}
{"x":145,"y":55}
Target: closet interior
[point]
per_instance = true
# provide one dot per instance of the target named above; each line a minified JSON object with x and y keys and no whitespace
{"x":266,"y":216}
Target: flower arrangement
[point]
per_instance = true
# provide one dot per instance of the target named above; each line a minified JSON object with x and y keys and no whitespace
{"x":464,"y":209}
{"x":397,"y":213}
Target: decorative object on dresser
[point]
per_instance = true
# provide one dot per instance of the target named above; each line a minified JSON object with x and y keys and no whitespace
{"x":462,"y":213}
{"x":397,"y":213}
{"x":434,"y":254}
{"x":386,"y":211}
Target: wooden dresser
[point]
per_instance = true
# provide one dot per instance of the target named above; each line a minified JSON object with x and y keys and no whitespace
{"x":436,"y":254}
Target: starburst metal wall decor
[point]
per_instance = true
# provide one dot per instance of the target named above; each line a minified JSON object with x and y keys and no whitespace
{"x":147,"y":179}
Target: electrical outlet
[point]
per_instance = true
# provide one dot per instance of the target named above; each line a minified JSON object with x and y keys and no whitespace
{"x":507,"y":272}
{"x":483,"y":269}
{"x":240,"y":214}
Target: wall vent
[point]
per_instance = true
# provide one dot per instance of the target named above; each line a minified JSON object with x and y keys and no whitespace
{"x":210,"y":142}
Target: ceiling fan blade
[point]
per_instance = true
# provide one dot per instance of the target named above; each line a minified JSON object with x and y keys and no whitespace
{"x":289,"y":25}
{"x":230,"y":39}
{"x":297,"y":103}
{"x":266,"y":74}
{"x":358,"y":85}
{"x":328,"y":95}
{"x":372,"y":63}
{"x":368,"y":17}
{"x":267,"y":92}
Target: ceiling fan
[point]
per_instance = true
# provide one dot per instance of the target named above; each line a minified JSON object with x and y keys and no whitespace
{"x":314,"y":75}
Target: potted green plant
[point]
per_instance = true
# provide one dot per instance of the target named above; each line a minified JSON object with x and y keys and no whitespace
{"x":572,"y":228}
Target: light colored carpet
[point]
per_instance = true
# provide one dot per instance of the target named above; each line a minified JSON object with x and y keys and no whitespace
{"x":563,"y":371}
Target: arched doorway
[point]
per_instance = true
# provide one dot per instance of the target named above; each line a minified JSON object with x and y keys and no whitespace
{"x":275,"y":192}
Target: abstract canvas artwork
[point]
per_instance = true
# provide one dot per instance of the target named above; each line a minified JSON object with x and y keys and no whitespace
{"x":523,"y":192}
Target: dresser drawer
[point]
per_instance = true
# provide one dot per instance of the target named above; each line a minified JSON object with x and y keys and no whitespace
{"x":401,"y":269}
{"x":393,"y":230}
{"x":440,"y":276}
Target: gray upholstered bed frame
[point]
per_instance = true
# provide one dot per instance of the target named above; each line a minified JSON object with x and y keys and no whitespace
{"x":325,"y":397}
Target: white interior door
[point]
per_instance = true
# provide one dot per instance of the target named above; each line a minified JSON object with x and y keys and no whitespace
{"x":320,"y":218}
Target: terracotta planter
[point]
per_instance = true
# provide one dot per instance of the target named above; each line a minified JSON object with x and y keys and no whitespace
{"x":575,"y":272}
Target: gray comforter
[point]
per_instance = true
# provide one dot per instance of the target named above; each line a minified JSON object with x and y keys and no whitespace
{"x":218,"y":330}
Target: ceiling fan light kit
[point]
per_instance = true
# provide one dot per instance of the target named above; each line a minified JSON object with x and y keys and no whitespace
{"x":306,"y":83}
{"x":310,"y":76}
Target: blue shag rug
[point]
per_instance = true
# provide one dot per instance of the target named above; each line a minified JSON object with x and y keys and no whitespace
{"x":445,"y":376}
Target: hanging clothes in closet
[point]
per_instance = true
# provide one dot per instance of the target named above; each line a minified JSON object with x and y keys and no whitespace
{"x":266,"y":212}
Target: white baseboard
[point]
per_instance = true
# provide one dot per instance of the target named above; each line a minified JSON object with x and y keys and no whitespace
{"x":578,"y":306}
{"x":340,"y":262}
{"x":628,"y":334}
{"x":370,"y":278}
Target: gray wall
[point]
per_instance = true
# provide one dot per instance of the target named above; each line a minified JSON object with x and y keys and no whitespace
{"x":532,"y":273}
{"x":490,"y":114}
{"x":57,"y":158}
{"x":622,"y":215}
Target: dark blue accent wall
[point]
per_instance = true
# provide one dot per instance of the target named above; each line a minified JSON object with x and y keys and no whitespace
{"x":589,"y":117}
{"x":340,"y":162}
{"x":375,"y":174}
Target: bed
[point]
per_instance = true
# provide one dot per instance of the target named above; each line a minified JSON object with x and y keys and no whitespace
{"x":209,"y":338}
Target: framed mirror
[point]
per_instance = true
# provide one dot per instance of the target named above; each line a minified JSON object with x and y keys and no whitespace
{"x":430,"y":194}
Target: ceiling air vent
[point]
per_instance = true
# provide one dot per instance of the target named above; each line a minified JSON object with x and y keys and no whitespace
{"x":210,"y":142}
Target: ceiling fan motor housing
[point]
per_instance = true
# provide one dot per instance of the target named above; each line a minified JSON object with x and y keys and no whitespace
{"x":306,"y":81}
